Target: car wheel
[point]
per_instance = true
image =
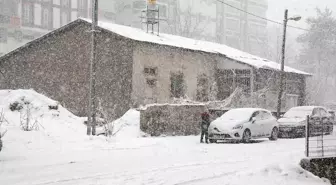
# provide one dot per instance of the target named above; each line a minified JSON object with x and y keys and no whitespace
{"x":213,"y":141}
{"x":246,"y":136}
{"x":274,"y":134}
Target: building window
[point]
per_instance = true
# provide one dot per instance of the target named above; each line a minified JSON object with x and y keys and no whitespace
{"x":139,"y":5}
{"x":65,"y":3}
{"x":153,"y":71}
{"x":81,"y":4}
{"x":233,"y":25}
{"x":45,"y":18}
{"x":177,"y":86}
{"x":291,"y":100}
{"x":3,"y":35}
{"x":27,"y":15}
{"x":64,"y":18}
{"x":151,"y":82}
{"x":163,"y":10}
{"x":233,"y":42}
{"x":202,"y":88}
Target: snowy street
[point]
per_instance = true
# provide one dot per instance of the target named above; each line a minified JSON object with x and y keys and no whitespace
{"x":180,"y":160}
{"x":60,"y":153}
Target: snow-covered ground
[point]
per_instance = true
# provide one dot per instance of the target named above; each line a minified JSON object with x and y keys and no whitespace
{"x":60,"y":153}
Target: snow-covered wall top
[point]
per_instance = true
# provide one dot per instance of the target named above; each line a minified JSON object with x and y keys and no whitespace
{"x":182,"y":42}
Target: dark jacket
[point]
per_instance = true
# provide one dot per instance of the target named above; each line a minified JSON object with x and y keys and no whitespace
{"x":205,"y":125}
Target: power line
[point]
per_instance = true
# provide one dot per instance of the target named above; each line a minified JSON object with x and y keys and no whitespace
{"x":263,"y":18}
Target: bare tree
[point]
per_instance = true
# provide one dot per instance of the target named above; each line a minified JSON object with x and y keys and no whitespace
{"x":2,"y":121}
{"x":188,"y":23}
{"x":27,"y":121}
{"x":107,"y":121}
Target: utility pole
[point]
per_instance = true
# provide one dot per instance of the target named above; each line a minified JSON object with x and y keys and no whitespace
{"x":283,"y":51}
{"x":91,"y":126}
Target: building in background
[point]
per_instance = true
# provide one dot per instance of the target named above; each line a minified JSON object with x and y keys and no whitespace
{"x":24,"y":20}
{"x":239,"y":29}
{"x":209,"y":20}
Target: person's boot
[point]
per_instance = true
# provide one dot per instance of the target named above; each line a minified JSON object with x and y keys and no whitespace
{"x":202,"y":140}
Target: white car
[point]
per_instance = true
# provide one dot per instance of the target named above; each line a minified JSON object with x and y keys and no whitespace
{"x":244,"y":124}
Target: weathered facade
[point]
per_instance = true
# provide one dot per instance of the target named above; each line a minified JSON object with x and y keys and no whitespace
{"x":57,"y":65}
{"x":132,"y":72}
{"x":156,"y":68}
{"x":260,"y":86}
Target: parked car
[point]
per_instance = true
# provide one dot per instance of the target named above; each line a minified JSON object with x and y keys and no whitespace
{"x":244,"y":124}
{"x":293,"y":122}
{"x":333,"y":116}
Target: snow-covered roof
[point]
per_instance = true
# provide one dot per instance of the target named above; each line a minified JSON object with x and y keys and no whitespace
{"x":192,"y":44}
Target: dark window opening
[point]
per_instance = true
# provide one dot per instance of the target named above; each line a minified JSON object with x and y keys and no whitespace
{"x":151,"y":82}
{"x":177,"y":88}
{"x":3,"y":35}
{"x":202,"y":88}
{"x":151,"y":71}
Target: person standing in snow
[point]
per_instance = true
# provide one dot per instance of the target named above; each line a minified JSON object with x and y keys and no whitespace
{"x":204,"y":126}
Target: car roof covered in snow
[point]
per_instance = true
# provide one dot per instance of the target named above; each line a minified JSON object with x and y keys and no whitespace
{"x":192,"y":44}
{"x":250,"y":109}
{"x":306,"y":108}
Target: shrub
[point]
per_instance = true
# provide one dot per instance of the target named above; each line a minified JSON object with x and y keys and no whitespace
{"x":16,"y":106}
{"x":53,"y":107}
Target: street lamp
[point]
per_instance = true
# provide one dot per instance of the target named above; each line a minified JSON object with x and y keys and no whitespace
{"x":294,"y":18}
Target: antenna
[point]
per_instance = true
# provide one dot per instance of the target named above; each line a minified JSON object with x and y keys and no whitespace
{"x":151,"y":16}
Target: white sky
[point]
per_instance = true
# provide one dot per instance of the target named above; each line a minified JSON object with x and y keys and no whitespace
{"x":304,"y":8}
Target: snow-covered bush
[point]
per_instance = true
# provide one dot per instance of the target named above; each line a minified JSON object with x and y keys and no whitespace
{"x":27,"y":121}
{"x":107,"y":123}
{"x":2,"y":133}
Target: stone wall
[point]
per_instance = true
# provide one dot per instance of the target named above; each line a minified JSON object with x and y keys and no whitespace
{"x":321,"y":167}
{"x":171,"y":120}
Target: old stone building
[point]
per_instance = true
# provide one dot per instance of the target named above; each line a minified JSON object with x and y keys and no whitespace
{"x":135,"y":68}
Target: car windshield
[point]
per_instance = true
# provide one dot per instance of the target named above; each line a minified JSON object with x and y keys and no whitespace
{"x":297,"y":113}
{"x":237,"y":114}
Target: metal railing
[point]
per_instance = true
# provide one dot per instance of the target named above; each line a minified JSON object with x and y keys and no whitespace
{"x":320,"y":138}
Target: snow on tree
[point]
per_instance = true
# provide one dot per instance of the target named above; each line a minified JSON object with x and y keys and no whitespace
{"x":318,"y":55}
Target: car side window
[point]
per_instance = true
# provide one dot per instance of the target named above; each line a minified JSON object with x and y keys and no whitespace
{"x":316,"y":113}
{"x":255,"y":114}
{"x":266,"y":115}
{"x":323,"y":112}
{"x":259,"y":115}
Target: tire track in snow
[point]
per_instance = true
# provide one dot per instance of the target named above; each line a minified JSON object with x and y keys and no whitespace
{"x":211,"y":177}
{"x":131,"y":176}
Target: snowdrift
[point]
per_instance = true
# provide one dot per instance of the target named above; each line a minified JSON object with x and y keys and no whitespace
{"x":46,"y":116}
{"x":51,"y":119}
{"x":278,"y":175}
{"x":128,"y":126}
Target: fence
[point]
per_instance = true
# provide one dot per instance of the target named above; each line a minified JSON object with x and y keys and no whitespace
{"x":320,"y":139}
